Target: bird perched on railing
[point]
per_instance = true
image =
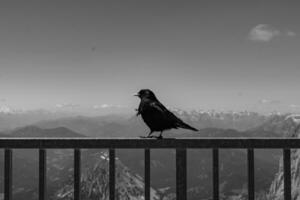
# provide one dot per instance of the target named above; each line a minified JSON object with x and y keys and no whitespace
{"x":156,"y":115}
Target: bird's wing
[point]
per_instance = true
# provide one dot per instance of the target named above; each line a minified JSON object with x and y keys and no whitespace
{"x":160,"y":114}
{"x":173,"y":119}
{"x":167,"y":115}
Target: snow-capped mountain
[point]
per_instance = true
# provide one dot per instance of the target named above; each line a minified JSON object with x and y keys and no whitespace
{"x":240,"y":121}
{"x":289,"y":125}
{"x":285,"y":125}
{"x":95,"y":183}
{"x":4,"y":109}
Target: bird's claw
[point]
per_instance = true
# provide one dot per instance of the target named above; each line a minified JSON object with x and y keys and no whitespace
{"x":137,"y":112}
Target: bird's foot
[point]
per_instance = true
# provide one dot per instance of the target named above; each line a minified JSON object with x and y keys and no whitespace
{"x":159,"y":137}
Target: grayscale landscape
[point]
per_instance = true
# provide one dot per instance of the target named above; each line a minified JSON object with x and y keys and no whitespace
{"x":230,"y":69}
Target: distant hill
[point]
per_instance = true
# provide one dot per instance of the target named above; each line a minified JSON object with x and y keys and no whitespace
{"x":34,"y":131}
{"x":134,"y":127}
{"x":98,"y":126}
{"x":116,"y":126}
{"x":104,"y":125}
{"x":12,"y":120}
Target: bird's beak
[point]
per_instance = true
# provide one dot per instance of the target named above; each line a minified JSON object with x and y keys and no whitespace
{"x":136,"y":95}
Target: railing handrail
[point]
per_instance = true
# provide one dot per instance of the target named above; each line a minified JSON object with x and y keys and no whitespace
{"x":142,"y":143}
{"x":180,"y":144}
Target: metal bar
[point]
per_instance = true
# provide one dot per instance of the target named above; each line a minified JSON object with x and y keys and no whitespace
{"x":8,"y":174}
{"x":287,"y":174}
{"x":112,"y":174}
{"x":182,"y":143}
{"x":147,"y":174}
{"x":215,"y":166}
{"x":42,"y":174}
{"x":251,"y":186}
{"x":181,"y":174}
{"x":77,"y":173}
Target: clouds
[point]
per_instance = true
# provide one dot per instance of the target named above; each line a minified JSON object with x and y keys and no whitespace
{"x":278,"y":105}
{"x":266,"y":33}
{"x":294,"y":106}
{"x":105,"y":106}
{"x":66,"y":105}
{"x":291,"y":33}
{"x":269,"y":102}
{"x":263,"y":33}
{"x":72,"y":106}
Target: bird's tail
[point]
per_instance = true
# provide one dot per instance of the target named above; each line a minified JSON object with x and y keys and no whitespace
{"x":186,"y":126}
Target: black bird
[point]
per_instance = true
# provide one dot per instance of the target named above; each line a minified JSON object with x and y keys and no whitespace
{"x":156,"y":115}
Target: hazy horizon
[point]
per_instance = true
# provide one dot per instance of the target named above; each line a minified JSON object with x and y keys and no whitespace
{"x":233,"y":55}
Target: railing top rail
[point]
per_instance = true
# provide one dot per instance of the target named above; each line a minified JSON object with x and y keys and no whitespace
{"x":140,"y":143}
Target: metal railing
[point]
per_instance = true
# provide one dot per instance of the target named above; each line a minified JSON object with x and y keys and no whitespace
{"x":181,"y":145}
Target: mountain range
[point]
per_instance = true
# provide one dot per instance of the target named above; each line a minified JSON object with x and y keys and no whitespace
{"x":241,"y":121}
{"x":130,"y":162}
{"x":121,"y":126}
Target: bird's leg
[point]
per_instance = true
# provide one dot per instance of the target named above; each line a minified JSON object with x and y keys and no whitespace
{"x":148,"y":136}
{"x":160,"y":135}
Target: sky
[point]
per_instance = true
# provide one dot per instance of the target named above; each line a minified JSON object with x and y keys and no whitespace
{"x":206,"y":54}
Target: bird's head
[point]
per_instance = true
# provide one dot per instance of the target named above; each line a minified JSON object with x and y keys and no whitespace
{"x":146,"y":93}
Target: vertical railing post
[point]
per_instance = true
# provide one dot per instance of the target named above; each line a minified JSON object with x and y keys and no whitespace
{"x":42,"y":174}
{"x":112,"y":180}
{"x":147,"y":174}
{"x":287,"y":174}
{"x":77,"y":173}
{"x":251,"y":186}
{"x":181,"y":174}
{"x":215,"y":166}
{"x":8,"y":174}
